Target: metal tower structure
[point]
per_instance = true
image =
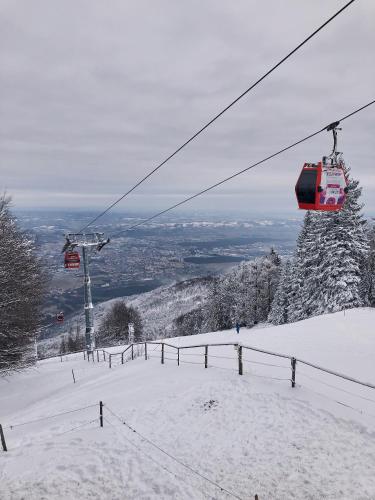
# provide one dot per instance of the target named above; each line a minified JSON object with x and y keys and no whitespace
{"x":87,"y":241}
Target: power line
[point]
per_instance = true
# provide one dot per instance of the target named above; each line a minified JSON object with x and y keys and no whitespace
{"x":273,"y":155}
{"x":210,"y":122}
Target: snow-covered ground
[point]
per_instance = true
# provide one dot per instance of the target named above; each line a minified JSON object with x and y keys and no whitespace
{"x":251,"y":435}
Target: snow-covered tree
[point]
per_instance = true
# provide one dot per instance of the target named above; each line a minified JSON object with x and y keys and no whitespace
{"x":344,"y":250}
{"x":22,"y":285}
{"x":114,"y":327}
{"x":217,"y":310}
{"x":370,"y":267}
{"x":243,"y":295}
{"x":328,"y":269}
{"x":268,"y":279}
{"x":279,"y":313}
{"x":190,"y":323}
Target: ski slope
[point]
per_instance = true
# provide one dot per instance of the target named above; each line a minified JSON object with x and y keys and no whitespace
{"x":250,"y":434}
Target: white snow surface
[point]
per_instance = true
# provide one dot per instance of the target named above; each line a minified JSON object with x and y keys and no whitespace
{"x":251,"y":434}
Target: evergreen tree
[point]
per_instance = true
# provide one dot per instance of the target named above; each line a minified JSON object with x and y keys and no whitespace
{"x":328,"y":269}
{"x":279,"y":313}
{"x":269,"y":276}
{"x":217,"y":307}
{"x":370,"y":269}
{"x":344,"y":250}
{"x":190,"y":323}
{"x":244,"y":295}
{"x":302,"y":268}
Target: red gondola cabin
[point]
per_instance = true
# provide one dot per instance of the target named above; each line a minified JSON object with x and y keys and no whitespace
{"x":60,"y":317}
{"x":321,"y":187}
{"x":71,"y":260}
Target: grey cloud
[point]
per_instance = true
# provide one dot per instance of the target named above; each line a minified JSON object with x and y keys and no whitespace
{"x":96,"y":94}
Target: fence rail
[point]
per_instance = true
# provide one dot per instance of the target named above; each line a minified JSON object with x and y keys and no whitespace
{"x":206,"y":353}
{"x":336,"y":374}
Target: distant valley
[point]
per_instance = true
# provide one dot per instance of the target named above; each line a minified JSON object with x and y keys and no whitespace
{"x":160,"y":253}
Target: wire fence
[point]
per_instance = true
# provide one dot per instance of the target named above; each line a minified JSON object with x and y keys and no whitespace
{"x":19,"y":432}
{"x":341,"y":389}
{"x":248,"y":360}
{"x":142,"y":444}
{"x":171,"y":456}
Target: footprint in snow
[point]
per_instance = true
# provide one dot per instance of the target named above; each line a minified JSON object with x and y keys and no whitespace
{"x":208,"y":405}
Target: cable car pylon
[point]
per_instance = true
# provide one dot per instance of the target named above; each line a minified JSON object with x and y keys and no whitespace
{"x":86,"y":241}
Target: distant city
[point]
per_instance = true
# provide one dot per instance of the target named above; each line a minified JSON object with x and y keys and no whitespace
{"x":159,"y":253}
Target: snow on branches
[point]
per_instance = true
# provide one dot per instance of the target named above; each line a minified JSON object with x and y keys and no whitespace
{"x":21,"y":291}
{"x":243,"y":296}
{"x":329,"y":270}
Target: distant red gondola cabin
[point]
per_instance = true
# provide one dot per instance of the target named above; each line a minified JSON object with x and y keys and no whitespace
{"x":321,"y":187}
{"x":60,"y":317}
{"x":72,"y":260}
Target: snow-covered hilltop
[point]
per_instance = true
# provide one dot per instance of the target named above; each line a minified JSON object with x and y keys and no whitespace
{"x":250,"y":434}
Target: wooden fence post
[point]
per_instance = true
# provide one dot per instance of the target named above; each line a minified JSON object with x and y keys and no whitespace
{"x":162,"y":354}
{"x":132,"y":352}
{"x":293,"y":362}
{"x":110,"y":360}
{"x":146,"y":351}
{"x":97,"y":355}
{"x":74,"y":379}
{"x":101,"y":413}
{"x":205,"y":356}
{"x":3,"y":438}
{"x":122,"y":358}
{"x":240,"y":367}
{"x":178,"y":356}
{"x":103,"y":354}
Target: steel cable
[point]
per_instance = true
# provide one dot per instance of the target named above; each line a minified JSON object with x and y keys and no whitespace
{"x":362,"y":412}
{"x":151,"y":458}
{"x":211,"y":121}
{"x":219,"y":183}
{"x":147,"y":440}
{"x":51,"y":416}
{"x":335,"y":387}
{"x":264,"y":364}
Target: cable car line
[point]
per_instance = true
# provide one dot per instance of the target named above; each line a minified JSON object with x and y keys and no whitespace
{"x":210,"y":122}
{"x":310,"y":136}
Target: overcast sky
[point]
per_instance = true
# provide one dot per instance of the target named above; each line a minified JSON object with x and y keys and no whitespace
{"x":94,"y":94}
